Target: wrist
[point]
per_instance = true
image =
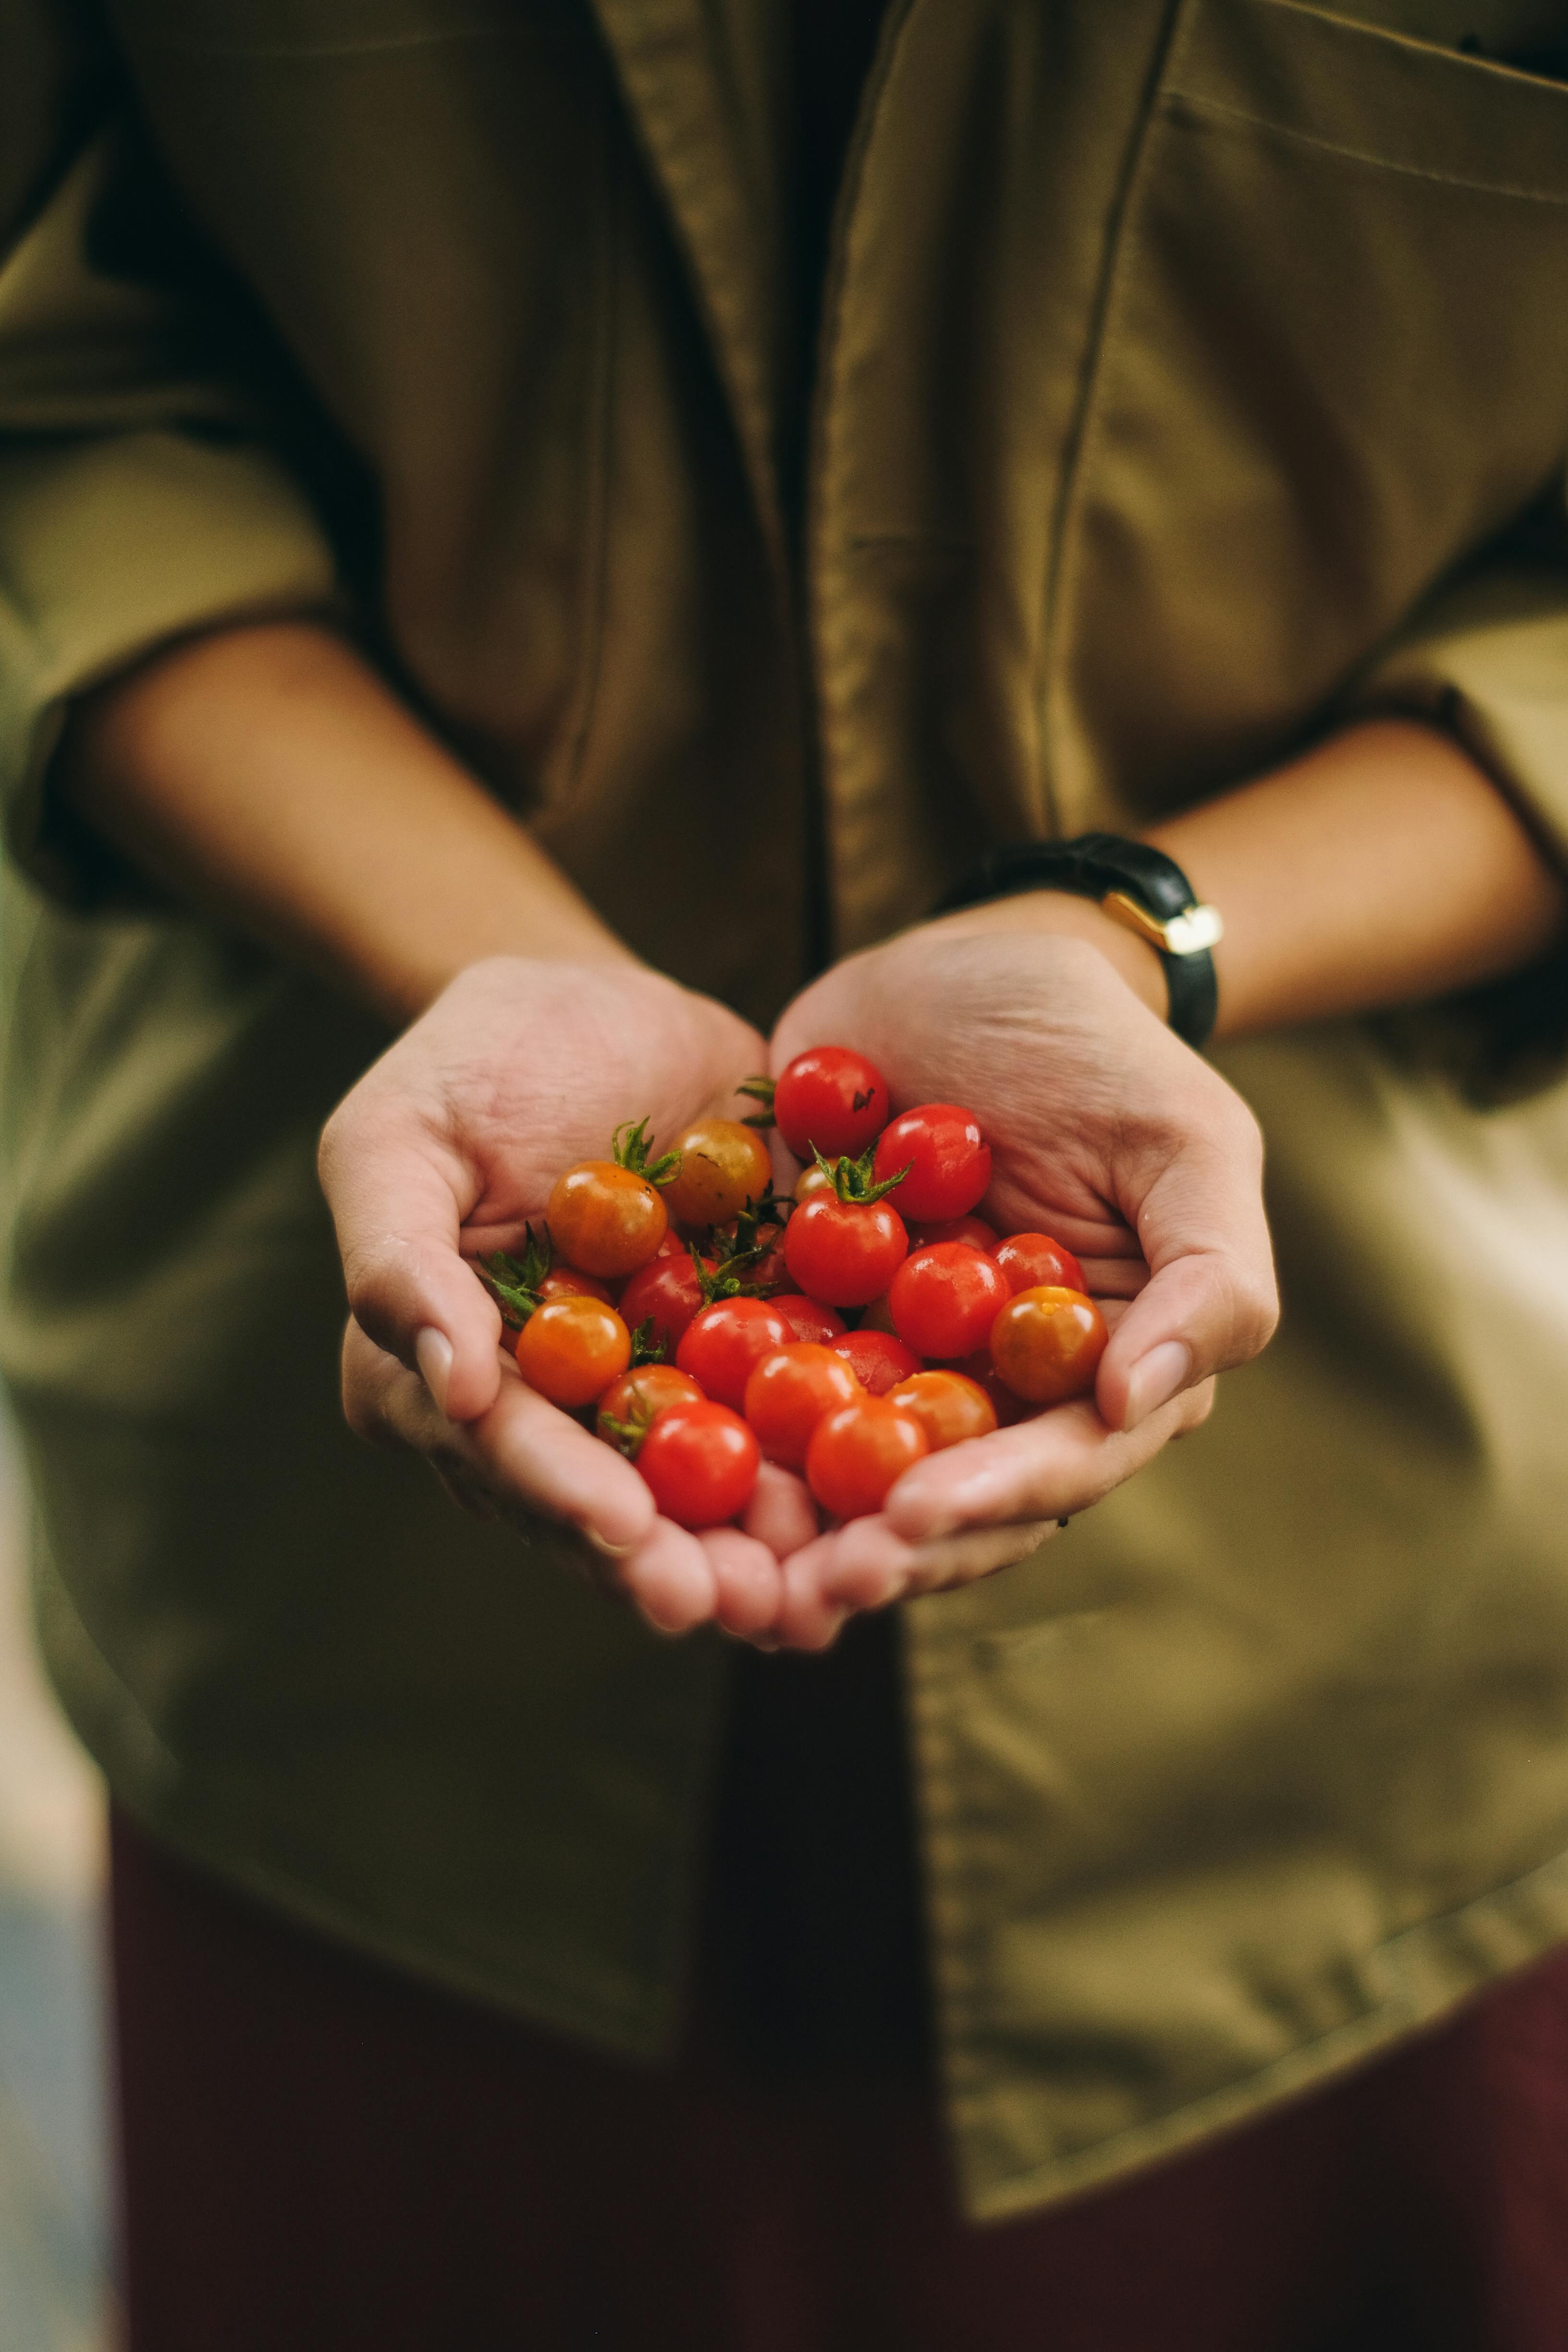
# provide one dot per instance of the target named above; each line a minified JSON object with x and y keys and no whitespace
{"x":1063,"y":915}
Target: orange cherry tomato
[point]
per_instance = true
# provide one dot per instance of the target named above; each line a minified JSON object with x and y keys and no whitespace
{"x":788,"y":1394}
{"x":570,"y":1349}
{"x":856,"y":1453}
{"x":1033,"y":1261}
{"x":948,"y":1405}
{"x":605,"y":1219}
{"x":1046,"y":1343}
{"x":630,"y":1405}
{"x":723,"y":1165}
{"x":815,"y":1179}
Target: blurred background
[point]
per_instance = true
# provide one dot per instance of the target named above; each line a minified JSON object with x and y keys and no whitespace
{"x":54,"y":2231}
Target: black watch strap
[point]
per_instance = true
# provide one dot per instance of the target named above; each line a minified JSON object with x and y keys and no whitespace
{"x":1138,"y":887}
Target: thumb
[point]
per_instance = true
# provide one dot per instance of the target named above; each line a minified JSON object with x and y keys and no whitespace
{"x":397,"y":1204}
{"x":1211,"y":1300}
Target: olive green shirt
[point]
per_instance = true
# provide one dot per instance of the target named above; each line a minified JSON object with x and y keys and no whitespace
{"x":1190,"y":377}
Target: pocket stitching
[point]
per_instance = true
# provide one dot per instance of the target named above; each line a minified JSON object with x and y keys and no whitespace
{"x":1178,"y":101}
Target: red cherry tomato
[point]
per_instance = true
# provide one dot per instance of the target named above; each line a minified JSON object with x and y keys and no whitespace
{"x":605,"y":1218}
{"x":1048,"y":1342}
{"x":878,"y":1360}
{"x":723,"y":1165}
{"x":701,"y":1463}
{"x":948,"y":1158}
{"x":1032,"y":1260}
{"x":665,"y":1291}
{"x":807,"y":1317}
{"x":788,"y":1394}
{"x":721,"y":1346}
{"x":844,"y":1253}
{"x":629,"y":1405}
{"x":948,"y":1405}
{"x":570,"y":1349}
{"x":856,"y":1453}
{"x":1006,"y":1407}
{"x":566,"y":1282}
{"x":945,"y":1298}
{"x":829,"y":1100}
{"x":973,"y":1230}
{"x":771,"y":1273}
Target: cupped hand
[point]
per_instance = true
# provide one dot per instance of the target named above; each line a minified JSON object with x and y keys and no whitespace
{"x":1106,"y":1132}
{"x":447,"y":1146}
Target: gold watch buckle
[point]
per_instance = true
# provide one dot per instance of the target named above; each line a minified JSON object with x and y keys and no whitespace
{"x":1196,"y":927}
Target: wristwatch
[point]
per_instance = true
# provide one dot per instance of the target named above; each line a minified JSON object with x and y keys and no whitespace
{"x":1140,"y":888}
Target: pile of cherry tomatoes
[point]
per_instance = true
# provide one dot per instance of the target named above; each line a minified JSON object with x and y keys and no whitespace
{"x":704,"y":1323}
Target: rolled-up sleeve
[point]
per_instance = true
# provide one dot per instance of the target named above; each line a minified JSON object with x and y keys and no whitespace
{"x":140,"y":497}
{"x":1487,"y":660}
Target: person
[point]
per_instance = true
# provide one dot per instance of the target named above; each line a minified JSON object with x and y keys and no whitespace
{"x":542,"y":540}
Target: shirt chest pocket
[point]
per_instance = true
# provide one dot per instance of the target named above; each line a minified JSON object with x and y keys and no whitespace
{"x":1335,"y":365}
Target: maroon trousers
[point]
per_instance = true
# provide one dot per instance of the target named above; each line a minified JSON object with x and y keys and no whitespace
{"x":318,"y":2152}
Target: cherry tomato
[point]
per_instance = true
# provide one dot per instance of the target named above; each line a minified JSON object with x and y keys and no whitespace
{"x":570,"y":1349}
{"x":721,"y":1344}
{"x":723,"y":1165}
{"x":878,"y":1315}
{"x":830,"y":1099}
{"x":816,"y":1178}
{"x":945,"y":1299}
{"x":844,"y":1253}
{"x":566,"y":1282}
{"x":700,"y":1461}
{"x":668,"y":1291}
{"x":1046,"y":1343}
{"x":949,"y":1159}
{"x":771,"y":1273}
{"x":1007,"y":1408}
{"x":973,"y":1230}
{"x":1032,"y":1260}
{"x":788,"y":1394}
{"x":948,"y":1405}
{"x":638,"y":1397}
{"x":856,"y":1453}
{"x":605,"y":1218}
{"x":807,"y":1317}
{"x":878,"y":1360}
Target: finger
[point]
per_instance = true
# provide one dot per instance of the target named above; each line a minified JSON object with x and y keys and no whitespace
{"x":952,"y":1560}
{"x":1059,"y":1463}
{"x":530,"y":1458}
{"x":398,"y":1198}
{"x":1211,"y":1299}
{"x":747,"y":1585}
{"x":669,"y":1578}
{"x":780,"y":1513}
{"x":807,"y":1619}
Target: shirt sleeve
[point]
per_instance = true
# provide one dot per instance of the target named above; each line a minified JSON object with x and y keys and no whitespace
{"x":142,"y":496}
{"x":1487,"y":660}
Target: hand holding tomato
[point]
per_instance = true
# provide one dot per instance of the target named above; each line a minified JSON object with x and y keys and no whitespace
{"x":1106,"y":1133}
{"x":438,"y":1156}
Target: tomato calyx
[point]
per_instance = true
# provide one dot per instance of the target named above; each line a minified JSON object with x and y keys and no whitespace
{"x":646,"y":1349}
{"x":758,"y":1091}
{"x":853,"y":1180}
{"x":629,"y":1148}
{"x":513,"y":1282}
{"x":626,"y":1436}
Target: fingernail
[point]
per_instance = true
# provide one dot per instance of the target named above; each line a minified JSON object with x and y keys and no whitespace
{"x":603,"y":1546}
{"x":432,"y":1354}
{"x":1156,"y":1379}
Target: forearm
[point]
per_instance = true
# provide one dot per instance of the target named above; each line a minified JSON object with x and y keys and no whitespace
{"x":1383,"y":867}
{"x":269,"y":775}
